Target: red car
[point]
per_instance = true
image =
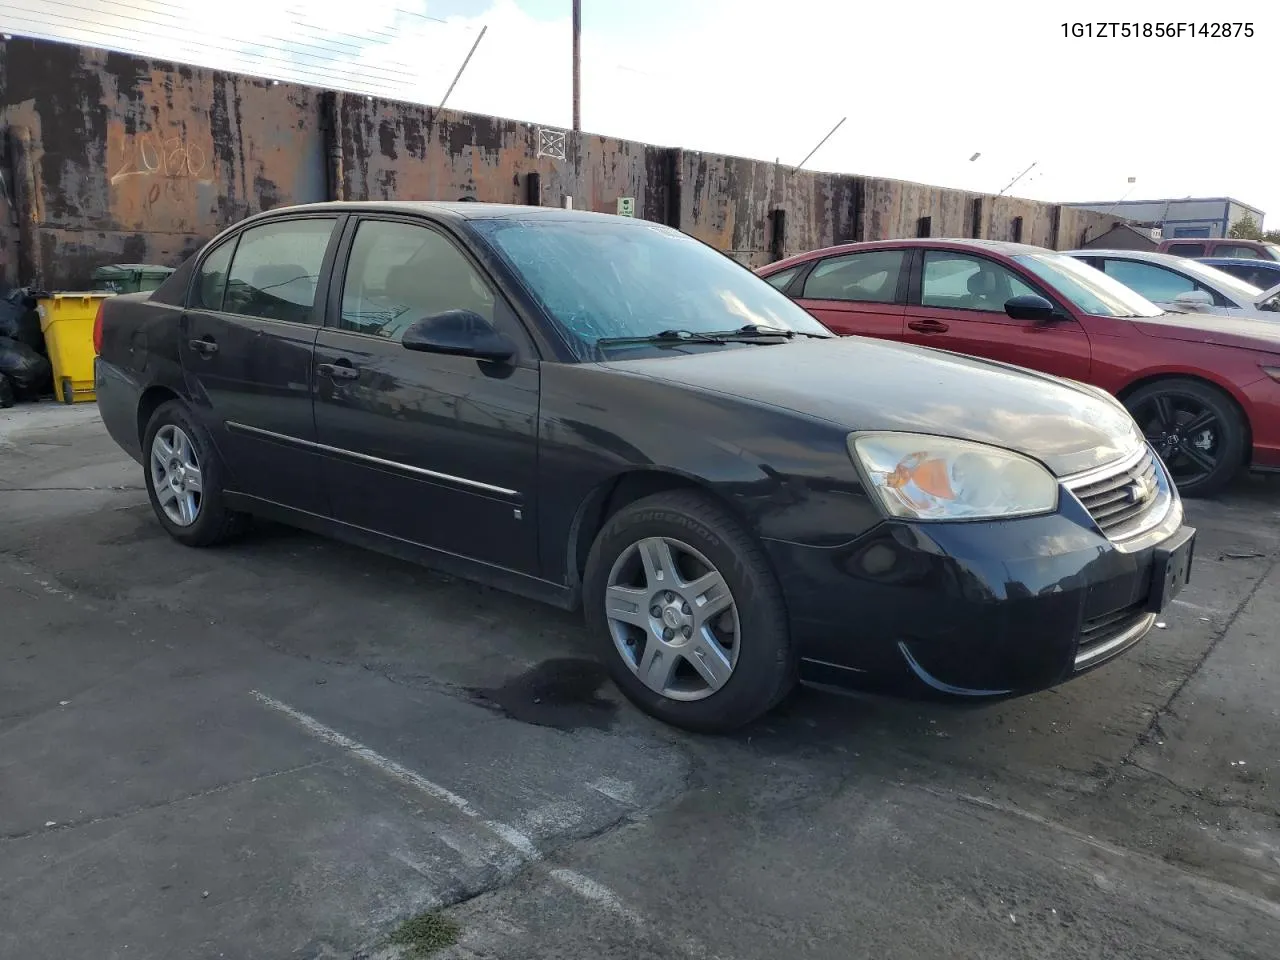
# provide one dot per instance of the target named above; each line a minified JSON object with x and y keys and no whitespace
{"x":1205,"y":389}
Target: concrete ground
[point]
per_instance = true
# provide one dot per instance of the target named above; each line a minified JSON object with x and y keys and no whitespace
{"x":284,"y":748}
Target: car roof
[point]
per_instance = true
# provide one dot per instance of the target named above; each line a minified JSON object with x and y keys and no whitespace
{"x":1236,"y":240}
{"x":1242,"y":262}
{"x":1145,"y":256}
{"x":1006,"y":247}
{"x":447,"y":210}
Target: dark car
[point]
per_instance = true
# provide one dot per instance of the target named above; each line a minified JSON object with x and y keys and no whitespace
{"x":599,"y":411}
{"x":1205,"y":389}
{"x":1263,"y":274}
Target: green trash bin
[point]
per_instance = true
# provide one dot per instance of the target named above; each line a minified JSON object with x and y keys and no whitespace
{"x":129,"y":277}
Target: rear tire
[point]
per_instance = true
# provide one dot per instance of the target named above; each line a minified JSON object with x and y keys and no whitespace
{"x":184,"y":479}
{"x":1197,"y":430}
{"x":717,"y":653}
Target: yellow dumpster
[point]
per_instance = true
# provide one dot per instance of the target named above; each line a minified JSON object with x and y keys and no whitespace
{"x":66,"y":319}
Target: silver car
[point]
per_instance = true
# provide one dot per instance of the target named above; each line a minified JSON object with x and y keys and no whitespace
{"x":1181,"y":285}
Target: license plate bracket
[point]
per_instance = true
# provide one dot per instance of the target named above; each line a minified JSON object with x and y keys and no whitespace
{"x":1171,"y":569}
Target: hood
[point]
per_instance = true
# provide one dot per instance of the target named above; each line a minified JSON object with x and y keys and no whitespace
{"x":865,"y":384}
{"x":1246,"y":332}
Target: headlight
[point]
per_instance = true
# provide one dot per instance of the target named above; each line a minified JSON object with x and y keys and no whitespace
{"x":937,"y":478}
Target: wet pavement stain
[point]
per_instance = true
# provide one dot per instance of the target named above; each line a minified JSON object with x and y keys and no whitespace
{"x":560,"y":693}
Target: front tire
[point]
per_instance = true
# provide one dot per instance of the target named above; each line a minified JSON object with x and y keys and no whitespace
{"x":689,"y":615}
{"x":184,"y":479}
{"x":1197,"y":430}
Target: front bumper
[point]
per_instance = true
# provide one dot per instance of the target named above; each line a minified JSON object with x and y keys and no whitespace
{"x":978,"y":608}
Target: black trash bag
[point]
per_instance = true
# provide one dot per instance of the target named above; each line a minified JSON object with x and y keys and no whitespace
{"x":28,"y":372}
{"x":19,"y":319}
{"x":7,"y":395}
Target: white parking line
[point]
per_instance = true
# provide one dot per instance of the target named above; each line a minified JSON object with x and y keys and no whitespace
{"x":588,"y":889}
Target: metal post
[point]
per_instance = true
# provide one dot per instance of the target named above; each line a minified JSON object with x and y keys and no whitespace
{"x":458,"y":75}
{"x":577,"y":66}
{"x":820,"y":143}
{"x":1017,"y":178}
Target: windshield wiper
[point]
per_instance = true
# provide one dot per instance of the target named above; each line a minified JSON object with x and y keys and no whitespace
{"x":761,"y":330}
{"x":665,"y":336}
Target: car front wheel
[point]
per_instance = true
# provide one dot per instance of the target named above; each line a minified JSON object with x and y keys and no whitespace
{"x":1197,"y":431}
{"x":689,"y":613}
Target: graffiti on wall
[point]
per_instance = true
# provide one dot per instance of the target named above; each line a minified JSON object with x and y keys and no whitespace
{"x":150,"y":155}
{"x":159,"y":180}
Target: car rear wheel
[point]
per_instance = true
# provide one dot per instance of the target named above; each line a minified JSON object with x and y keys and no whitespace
{"x":184,"y":479}
{"x":689,"y":613}
{"x":1197,"y":431}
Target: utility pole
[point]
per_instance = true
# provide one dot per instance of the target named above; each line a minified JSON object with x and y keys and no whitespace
{"x":577,"y":66}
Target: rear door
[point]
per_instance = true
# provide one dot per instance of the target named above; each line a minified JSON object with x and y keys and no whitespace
{"x":860,"y":293}
{"x":249,"y":331}
{"x":433,"y":449}
{"x":957,"y":303}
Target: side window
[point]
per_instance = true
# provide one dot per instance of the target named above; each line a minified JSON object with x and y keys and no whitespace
{"x":1154,"y":283}
{"x":1186,"y":249}
{"x":276,"y":270}
{"x":399,"y":273}
{"x":780,"y":279}
{"x":870,"y":277}
{"x":1237,"y":250}
{"x":212,"y":279}
{"x":1262,"y":279}
{"x":959,"y":281}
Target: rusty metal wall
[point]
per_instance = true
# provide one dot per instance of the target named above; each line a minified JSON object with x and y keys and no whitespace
{"x":140,"y":161}
{"x":113,"y":158}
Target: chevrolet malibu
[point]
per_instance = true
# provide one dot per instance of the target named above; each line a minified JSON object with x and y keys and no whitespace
{"x":602,"y":412}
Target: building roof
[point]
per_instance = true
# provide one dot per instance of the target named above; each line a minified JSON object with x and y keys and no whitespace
{"x":1134,"y":203}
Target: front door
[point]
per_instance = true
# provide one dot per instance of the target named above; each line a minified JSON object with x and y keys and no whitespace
{"x":859,"y":294}
{"x":960,"y":306}
{"x":246,"y":346}
{"x":436,"y":450}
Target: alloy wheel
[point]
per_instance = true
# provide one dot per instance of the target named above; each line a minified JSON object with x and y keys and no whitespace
{"x":175,"y":475}
{"x":673,"y":618}
{"x":1184,"y":431}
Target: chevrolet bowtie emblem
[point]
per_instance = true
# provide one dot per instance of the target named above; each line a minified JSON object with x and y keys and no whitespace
{"x":1139,"y":490}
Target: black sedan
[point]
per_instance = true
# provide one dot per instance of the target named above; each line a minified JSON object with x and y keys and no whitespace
{"x":599,"y":411}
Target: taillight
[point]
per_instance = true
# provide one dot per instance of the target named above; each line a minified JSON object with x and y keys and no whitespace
{"x":97,"y":328}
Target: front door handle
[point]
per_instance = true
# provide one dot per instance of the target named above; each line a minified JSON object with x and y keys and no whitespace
{"x":205,"y":347}
{"x":928,"y":326}
{"x":338,"y":371}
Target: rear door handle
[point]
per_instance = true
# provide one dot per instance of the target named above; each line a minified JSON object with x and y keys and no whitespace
{"x":928,"y":326}
{"x":205,"y":347}
{"x":338,"y":371}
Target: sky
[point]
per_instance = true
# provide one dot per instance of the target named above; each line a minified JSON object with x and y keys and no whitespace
{"x":921,"y":86}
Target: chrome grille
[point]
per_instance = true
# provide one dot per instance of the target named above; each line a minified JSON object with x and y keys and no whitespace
{"x":1125,"y":499}
{"x":1103,"y":637}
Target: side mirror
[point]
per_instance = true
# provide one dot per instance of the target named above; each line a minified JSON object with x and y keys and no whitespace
{"x":1194,"y":298}
{"x":459,"y":333}
{"x":1031,"y":307}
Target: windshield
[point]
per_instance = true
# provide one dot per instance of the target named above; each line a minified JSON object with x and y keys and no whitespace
{"x":1089,"y":290}
{"x":1273,"y":250}
{"x":629,"y":278}
{"x":1233,"y":286}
